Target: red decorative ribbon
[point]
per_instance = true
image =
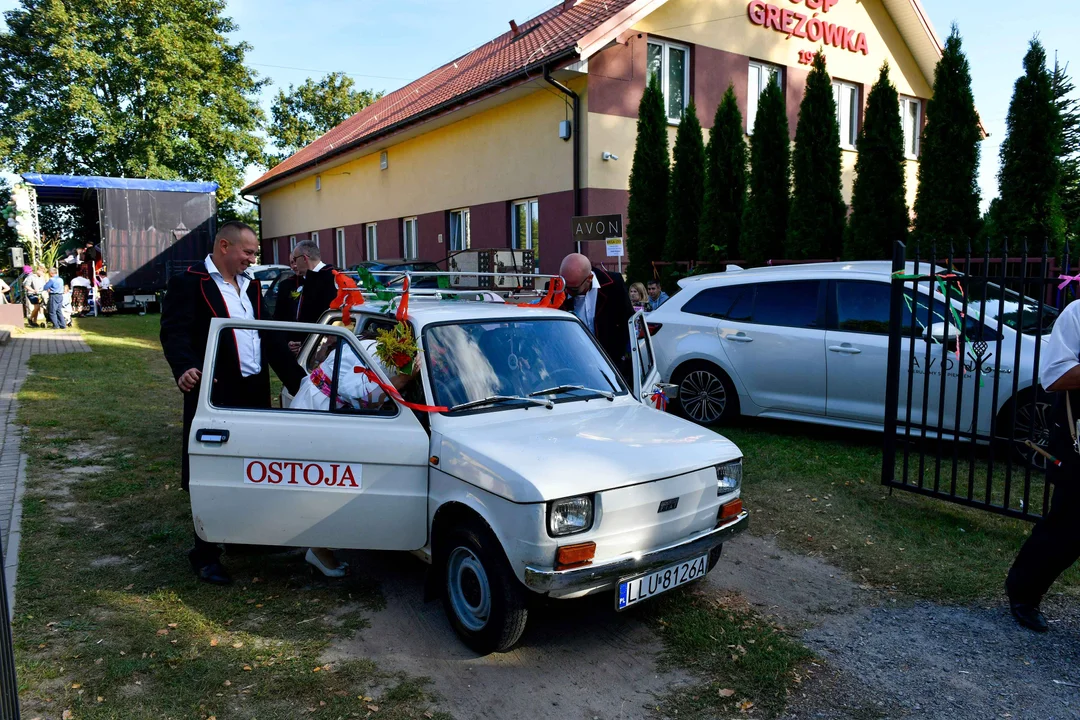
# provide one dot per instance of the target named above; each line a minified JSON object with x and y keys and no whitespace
{"x":393,"y":392}
{"x":1066,"y":279}
{"x":322,"y":382}
{"x":553,"y":299}
{"x":403,"y":308}
{"x":660,"y":399}
{"x":348,"y":295}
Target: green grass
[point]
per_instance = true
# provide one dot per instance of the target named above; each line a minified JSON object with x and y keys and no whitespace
{"x":818,"y":491}
{"x":110,"y":621}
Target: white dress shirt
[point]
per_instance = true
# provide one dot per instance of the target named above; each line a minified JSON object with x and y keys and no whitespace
{"x":585,"y":305}
{"x":1062,"y":353}
{"x":248,"y":345}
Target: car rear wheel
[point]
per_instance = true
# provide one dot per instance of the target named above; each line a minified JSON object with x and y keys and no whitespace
{"x":706,"y":395}
{"x":483,"y":599}
{"x":1032,"y":421}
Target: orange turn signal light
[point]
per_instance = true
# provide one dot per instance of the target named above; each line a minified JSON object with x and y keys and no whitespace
{"x":730,"y":510}
{"x":574,"y":555}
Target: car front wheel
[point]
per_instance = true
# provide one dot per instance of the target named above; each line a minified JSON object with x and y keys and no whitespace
{"x":706,"y":395}
{"x":483,"y":599}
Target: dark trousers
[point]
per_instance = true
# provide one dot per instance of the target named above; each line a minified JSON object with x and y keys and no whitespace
{"x":56,"y":310}
{"x":249,"y":392}
{"x":1053,"y":546}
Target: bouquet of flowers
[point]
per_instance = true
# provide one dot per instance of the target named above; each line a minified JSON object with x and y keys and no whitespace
{"x":397,"y":348}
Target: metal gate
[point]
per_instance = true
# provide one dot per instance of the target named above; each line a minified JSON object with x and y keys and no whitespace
{"x":965,"y":417}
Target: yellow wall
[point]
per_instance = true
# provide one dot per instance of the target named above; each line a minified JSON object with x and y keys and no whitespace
{"x":509,"y":151}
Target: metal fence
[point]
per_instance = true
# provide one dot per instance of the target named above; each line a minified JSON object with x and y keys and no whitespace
{"x":9,"y":688}
{"x":965,"y":417}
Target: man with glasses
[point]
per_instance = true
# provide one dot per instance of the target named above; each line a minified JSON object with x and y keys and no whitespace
{"x":305,"y":296}
{"x":600,"y":301}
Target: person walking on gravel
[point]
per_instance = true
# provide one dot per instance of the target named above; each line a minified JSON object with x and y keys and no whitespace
{"x":1054,"y":543}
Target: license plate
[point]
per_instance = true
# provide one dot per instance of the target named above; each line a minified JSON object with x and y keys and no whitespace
{"x":640,"y":588}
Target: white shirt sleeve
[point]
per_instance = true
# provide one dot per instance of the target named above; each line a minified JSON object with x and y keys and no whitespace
{"x":1062,"y":352}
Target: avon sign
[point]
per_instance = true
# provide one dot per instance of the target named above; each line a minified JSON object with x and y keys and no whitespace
{"x":807,"y":27}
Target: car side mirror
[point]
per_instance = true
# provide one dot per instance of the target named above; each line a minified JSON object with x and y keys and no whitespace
{"x":670,"y":391}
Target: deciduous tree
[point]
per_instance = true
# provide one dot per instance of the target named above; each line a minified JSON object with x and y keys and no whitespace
{"x":725,"y":184}
{"x":765,"y":220}
{"x":646,"y":215}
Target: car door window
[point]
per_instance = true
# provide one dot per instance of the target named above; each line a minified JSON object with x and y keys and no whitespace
{"x":728,"y":302}
{"x":646,"y":362}
{"x":788,"y":304}
{"x":975,"y":328}
{"x":863,"y":307}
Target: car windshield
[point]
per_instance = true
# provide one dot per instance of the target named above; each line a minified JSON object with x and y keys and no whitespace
{"x":1003,"y":306}
{"x":473,"y":361}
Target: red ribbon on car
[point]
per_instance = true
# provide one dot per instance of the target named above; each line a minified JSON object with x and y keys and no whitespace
{"x":660,"y":399}
{"x":393,"y":392}
{"x":553,"y":299}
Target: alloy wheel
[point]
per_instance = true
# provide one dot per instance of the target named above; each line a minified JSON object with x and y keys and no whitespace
{"x":703,"y":396}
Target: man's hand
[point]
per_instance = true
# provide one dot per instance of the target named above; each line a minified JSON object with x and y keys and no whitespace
{"x":189,"y":379}
{"x":294,"y":347}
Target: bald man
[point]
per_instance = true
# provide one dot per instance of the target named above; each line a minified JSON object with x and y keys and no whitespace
{"x":600,"y":301}
{"x":219,"y":286}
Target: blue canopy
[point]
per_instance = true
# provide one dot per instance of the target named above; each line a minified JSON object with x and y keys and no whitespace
{"x":70,"y":189}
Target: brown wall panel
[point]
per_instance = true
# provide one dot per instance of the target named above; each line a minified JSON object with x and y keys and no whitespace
{"x":617,"y":78}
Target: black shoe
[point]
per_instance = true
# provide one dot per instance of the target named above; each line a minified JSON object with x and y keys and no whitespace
{"x":214,"y":573}
{"x":1029,"y":616}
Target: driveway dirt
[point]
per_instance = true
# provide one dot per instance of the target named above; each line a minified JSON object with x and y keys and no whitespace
{"x":879,"y":654}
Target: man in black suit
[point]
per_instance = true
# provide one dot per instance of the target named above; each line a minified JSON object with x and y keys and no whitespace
{"x":600,"y":300}
{"x":219,"y":287}
{"x":305,"y":296}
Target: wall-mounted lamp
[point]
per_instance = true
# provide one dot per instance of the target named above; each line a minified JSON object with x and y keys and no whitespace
{"x":608,"y":156}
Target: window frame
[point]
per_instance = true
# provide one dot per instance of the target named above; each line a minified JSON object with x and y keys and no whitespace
{"x":757,"y":67}
{"x":275,"y":252}
{"x":466,"y":216}
{"x":339,"y":247}
{"x":371,"y":241}
{"x":314,"y":237}
{"x":405,"y":224}
{"x":905,"y":102}
{"x":531,"y":242}
{"x":292,"y":243}
{"x":666,"y":46}
{"x":853,"y":119}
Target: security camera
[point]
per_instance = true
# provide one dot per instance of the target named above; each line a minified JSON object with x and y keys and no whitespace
{"x":609,"y":156}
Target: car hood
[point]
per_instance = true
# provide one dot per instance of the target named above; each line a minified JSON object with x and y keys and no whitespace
{"x":528,"y":459}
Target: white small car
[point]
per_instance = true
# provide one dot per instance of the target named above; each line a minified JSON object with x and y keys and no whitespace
{"x":545,"y":475}
{"x":810,"y":343}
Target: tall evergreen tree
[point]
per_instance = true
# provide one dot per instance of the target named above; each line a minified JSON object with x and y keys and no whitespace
{"x":646,"y":215}
{"x":687,"y":193}
{"x":765,"y":219}
{"x":947,"y":199}
{"x":1068,"y":108}
{"x":816,"y":227}
{"x":725,"y":184}
{"x":1029,"y":178}
{"x":879,"y":215}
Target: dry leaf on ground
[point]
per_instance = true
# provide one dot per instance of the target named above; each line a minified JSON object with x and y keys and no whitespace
{"x":726,"y":692}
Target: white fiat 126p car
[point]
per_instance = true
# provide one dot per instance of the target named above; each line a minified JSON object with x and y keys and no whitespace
{"x":544,"y":474}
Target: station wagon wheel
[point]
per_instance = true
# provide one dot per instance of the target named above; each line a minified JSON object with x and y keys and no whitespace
{"x":706,"y":395}
{"x":1032,"y":421}
{"x":484,"y":601}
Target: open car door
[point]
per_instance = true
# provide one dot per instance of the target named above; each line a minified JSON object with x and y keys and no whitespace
{"x":348,"y":470}
{"x":646,"y":376}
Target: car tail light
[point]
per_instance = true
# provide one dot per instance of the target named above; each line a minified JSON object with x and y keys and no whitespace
{"x":730,"y":510}
{"x":574,"y":555}
{"x":654,"y":328}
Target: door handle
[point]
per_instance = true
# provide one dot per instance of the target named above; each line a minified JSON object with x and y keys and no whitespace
{"x":217,"y":437}
{"x":846,"y":349}
{"x":739,"y":338}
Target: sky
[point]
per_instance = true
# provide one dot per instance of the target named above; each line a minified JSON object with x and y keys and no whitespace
{"x":383,"y":44}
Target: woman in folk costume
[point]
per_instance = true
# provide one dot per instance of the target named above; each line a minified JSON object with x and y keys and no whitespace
{"x":80,"y":294}
{"x":105,"y":295}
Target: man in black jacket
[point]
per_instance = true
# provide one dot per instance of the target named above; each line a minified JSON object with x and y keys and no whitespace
{"x":305,"y":296}
{"x":600,"y":300}
{"x":219,"y":287}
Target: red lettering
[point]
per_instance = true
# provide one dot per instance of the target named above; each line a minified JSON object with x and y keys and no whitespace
{"x":860,"y":44}
{"x":293,"y":466}
{"x":786,"y":16}
{"x":800,"y":25}
{"x":275,"y":472}
{"x":849,"y":39}
{"x":348,"y":475}
{"x":772,"y":17}
{"x":334,"y":467}
{"x":813,"y":4}
{"x":813,"y":29}
{"x":828,"y":33}
{"x":307,"y":478}
{"x":756,"y":11}
{"x":826,"y":4}
{"x":262,"y":475}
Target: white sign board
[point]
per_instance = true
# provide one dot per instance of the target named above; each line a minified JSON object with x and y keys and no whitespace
{"x":614,"y":247}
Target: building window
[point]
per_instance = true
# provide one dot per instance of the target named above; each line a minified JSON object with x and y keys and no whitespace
{"x":315,"y":238}
{"x":671,"y":63}
{"x":371,"y":241}
{"x":408,"y":239}
{"x":846,"y":97}
{"x":275,"y":246}
{"x":526,"y":227}
{"x":318,"y":183}
{"x":460,"y":237}
{"x":760,"y":77}
{"x":339,"y":247}
{"x":911,"y":118}
{"x":292,"y":243}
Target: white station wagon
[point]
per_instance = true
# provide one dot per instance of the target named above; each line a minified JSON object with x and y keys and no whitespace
{"x":545,"y":475}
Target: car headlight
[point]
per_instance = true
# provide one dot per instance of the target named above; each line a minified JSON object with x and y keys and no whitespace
{"x":728,"y":477}
{"x":570,"y":515}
